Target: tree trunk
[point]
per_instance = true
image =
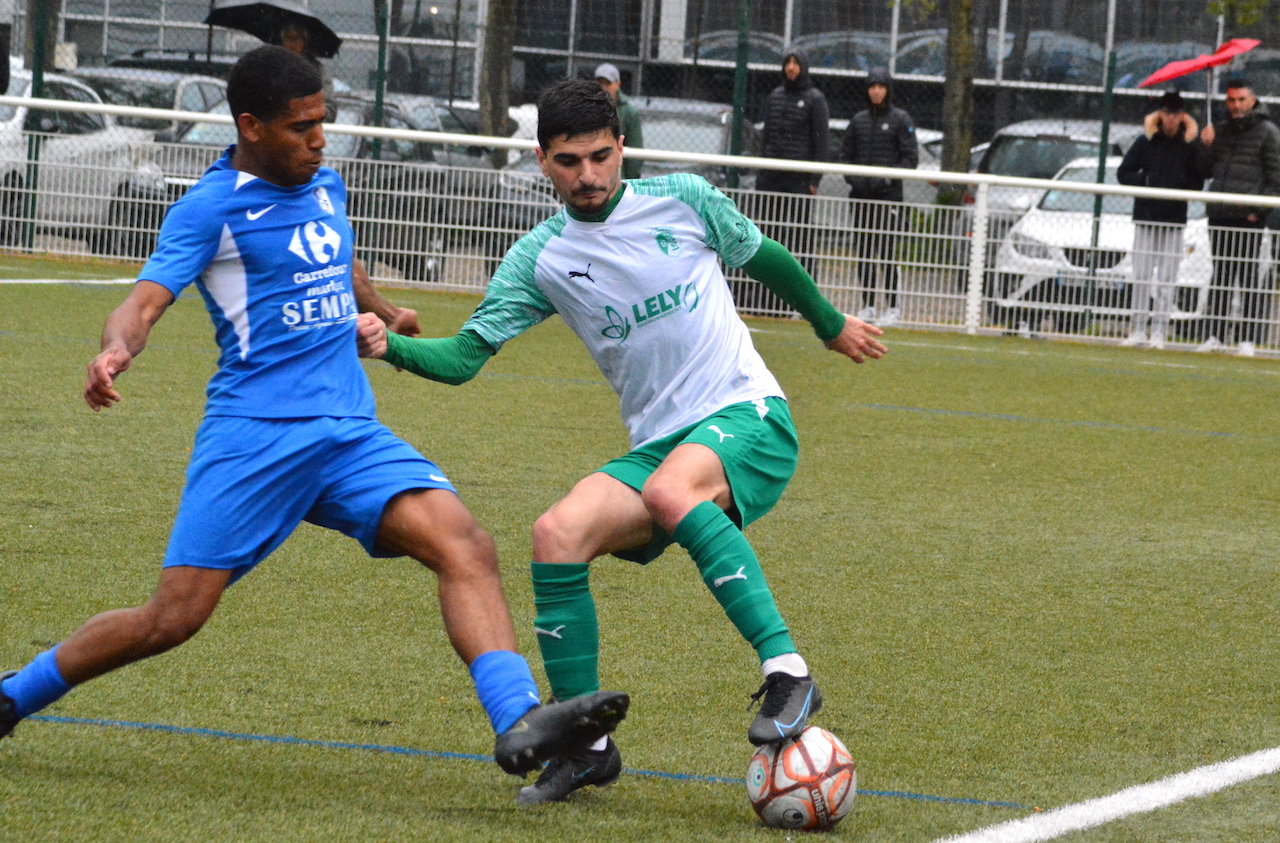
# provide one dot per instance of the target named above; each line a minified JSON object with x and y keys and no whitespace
{"x":495,"y":72}
{"x":957,"y":98}
{"x":1013,"y":67}
{"x":48,"y":11}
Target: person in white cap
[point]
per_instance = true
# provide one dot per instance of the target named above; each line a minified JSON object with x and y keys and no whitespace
{"x":609,"y":78}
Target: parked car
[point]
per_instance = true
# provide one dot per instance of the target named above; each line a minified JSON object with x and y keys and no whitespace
{"x":90,"y":177}
{"x":179,"y":61}
{"x":722,"y":45}
{"x":845,"y":50}
{"x":1039,"y":149}
{"x":1136,"y":60}
{"x":1048,"y":266}
{"x":402,"y":202}
{"x":152,"y":89}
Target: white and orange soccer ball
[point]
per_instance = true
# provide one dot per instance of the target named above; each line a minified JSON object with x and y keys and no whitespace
{"x":806,"y":783}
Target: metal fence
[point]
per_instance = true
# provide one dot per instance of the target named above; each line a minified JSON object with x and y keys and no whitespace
{"x":73,"y":180}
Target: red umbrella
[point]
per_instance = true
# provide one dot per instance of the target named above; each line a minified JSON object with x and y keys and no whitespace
{"x":1222,"y":55}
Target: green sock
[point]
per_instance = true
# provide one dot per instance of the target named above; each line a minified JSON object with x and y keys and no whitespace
{"x":566,"y":628}
{"x":732,"y":572}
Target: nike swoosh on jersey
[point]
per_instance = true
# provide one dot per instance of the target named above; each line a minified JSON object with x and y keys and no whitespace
{"x":438,"y":478}
{"x":253,"y":215}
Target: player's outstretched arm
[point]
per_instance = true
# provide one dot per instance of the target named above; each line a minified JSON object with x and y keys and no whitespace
{"x":779,"y":271}
{"x":400,"y":320}
{"x":452,"y":360}
{"x":857,"y":340}
{"x":123,"y":338}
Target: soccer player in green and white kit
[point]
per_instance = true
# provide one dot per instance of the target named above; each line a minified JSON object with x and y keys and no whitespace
{"x":632,"y":268}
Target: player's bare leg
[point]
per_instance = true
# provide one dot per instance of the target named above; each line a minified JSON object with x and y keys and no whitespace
{"x":183,"y":601}
{"x":434,"y":527}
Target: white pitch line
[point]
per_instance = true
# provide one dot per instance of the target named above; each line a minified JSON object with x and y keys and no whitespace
{"x":1134,"y":800}
{"x":68,"y":280}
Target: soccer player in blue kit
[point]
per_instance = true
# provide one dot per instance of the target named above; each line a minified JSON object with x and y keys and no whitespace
{"x":290,"y":432}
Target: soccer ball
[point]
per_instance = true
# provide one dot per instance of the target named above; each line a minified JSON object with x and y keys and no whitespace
{"x":806,"y":783}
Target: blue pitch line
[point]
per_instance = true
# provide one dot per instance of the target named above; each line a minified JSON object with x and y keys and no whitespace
{"x":1069,"y":422}
{"x":464,"y":756}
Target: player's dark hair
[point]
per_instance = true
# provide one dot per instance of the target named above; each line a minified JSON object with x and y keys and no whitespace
{"x":265,"y":79}
{"x":573,"y":107}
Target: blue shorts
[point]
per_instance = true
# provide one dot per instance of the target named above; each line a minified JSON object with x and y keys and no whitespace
{"x":252,"y":481}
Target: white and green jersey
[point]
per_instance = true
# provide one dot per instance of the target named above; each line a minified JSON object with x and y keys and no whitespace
{"x":644,"y":291}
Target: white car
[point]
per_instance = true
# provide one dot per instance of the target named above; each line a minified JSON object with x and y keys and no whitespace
{"x":1047,"y":265}
{"x":75,"y":173}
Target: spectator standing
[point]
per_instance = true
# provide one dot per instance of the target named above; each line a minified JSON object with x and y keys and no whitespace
{"x":1242,"y":153}
{"x":881,"y":135}
{"x":611,"y":80}
{"x":1167,"y":155}
{"x":296,"y":38}
{"x":797,"y":127}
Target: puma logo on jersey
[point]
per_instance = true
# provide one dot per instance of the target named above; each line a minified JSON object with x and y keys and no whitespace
{"x":719,"y":581}
{"x":721,"y":433}
{"x":253,"y":215}
{"x":322,"y":242}
{"x":554,"y":633}
{"x":586,"y":275}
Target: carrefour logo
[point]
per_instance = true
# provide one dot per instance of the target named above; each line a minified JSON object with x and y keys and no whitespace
{"x":321,"y":244}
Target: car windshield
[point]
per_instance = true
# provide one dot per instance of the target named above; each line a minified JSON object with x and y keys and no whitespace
{"x":340,"y":144}
{"x":1035,"y":158}
{"x":135,"y":92}
{"x":1072,"y":200}
{"x":685,"y":134}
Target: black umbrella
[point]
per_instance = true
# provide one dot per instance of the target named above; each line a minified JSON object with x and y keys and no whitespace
{"x":265,"y":21}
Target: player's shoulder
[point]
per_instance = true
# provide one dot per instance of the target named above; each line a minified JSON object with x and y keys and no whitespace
{"x":522,"y":258}
{"x":687,"y":187}
{"x":204,"y":201}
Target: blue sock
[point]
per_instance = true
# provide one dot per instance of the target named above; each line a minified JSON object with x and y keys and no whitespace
{"x":505,"y":687}
{"x":37,"y":685}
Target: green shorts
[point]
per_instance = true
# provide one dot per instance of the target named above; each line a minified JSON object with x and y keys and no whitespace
{"x":757,"y":446}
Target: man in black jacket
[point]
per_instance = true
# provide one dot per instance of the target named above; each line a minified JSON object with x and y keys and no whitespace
{"x":1165,"y":156}
{"x":796,"y":127}
{"x":1243,"y":155}
{"x":881,"y":135}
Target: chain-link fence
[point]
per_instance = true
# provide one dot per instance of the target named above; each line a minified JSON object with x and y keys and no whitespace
{"x":1033,"y":58}
{"x":1036,"y":258}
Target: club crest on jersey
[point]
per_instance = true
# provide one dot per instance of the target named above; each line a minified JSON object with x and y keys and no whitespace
{"x":322,"y":242}
{"x":323,"y":200}
{"x":666,"y":240}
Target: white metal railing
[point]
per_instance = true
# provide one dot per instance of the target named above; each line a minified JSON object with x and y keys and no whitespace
{"x":1046,"y":268}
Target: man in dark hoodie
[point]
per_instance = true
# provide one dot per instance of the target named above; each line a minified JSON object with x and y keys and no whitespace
{"x":1243,"y":155}
{"x":880,"y":135}
{"x":796,"y":127}
{"x":1167,"y":155}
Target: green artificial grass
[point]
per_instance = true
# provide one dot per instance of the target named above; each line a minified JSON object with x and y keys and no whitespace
{"x":1022,"y":572}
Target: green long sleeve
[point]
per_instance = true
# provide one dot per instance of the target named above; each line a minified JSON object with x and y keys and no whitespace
{"x":453,"y":360}
{"x":779,"y":271}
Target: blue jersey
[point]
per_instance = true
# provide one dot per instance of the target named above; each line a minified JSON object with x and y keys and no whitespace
{"x":274,"y":266}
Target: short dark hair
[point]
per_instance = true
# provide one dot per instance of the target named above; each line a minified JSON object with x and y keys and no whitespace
{"x":1236,"y":81}
{"x":265,"y":79}
{"x":574,"y":107}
